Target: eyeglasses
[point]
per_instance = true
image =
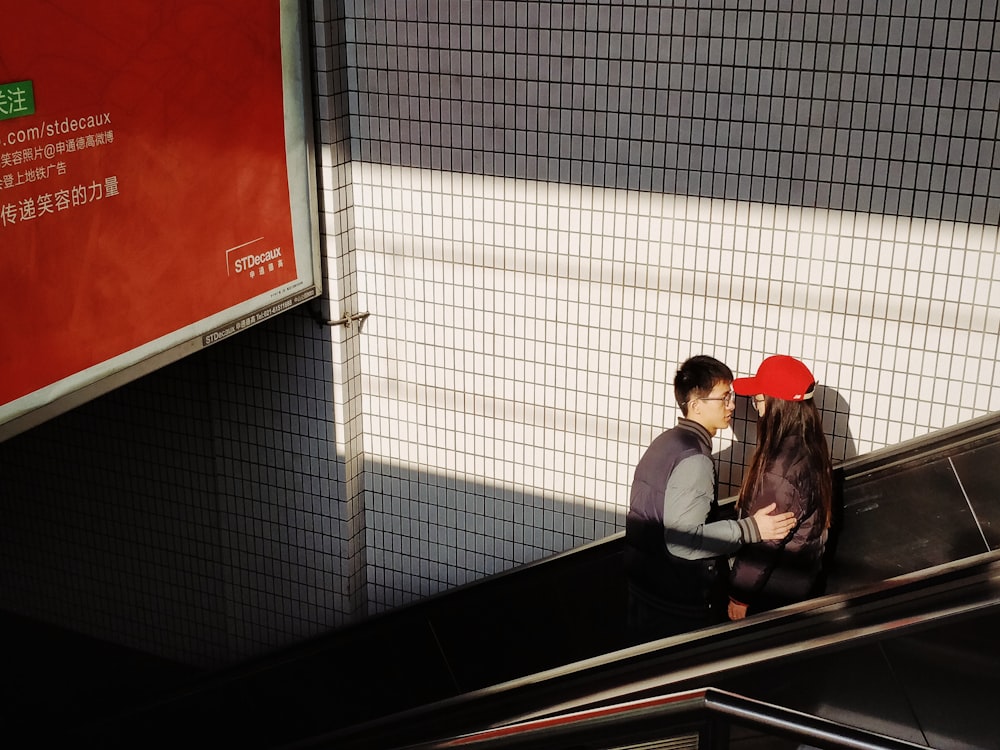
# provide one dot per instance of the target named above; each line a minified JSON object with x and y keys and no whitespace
{"x":728,"y":399}
{"x":759,"y":401}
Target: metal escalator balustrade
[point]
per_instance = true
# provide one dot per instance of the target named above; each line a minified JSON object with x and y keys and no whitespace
{"x":705,"y":719}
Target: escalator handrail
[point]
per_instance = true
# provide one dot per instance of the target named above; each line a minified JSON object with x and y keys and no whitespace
{"x":800,"y":725}
{"x":939,"y":441}
{"x":680,"y":708}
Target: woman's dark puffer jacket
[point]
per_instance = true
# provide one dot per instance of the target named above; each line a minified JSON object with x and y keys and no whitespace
{"x":766,"y":575}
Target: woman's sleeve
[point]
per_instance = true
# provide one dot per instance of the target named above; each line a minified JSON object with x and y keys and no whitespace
{"x":754,"y":563}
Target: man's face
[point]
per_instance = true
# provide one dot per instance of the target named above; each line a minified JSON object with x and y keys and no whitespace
{"x":714,"y":412}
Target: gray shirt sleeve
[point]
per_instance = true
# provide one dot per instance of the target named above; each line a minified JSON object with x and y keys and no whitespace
{"x":687,"y":501}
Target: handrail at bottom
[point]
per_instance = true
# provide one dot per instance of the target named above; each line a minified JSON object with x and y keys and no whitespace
{"x":799,"y":725}
{"x":683,"y":708}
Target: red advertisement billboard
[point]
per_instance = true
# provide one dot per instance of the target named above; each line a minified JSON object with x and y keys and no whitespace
{"x":155,"y":187}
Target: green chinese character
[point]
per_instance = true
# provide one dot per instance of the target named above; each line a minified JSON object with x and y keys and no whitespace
{"x":17,"y":99}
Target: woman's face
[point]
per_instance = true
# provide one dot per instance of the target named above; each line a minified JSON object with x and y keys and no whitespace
{"x":760,"y":402}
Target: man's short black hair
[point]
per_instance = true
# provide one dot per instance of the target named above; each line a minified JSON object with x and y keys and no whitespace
{"x":697,"y":377}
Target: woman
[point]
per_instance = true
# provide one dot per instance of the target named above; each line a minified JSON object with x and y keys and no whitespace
{"x":791,"y":466}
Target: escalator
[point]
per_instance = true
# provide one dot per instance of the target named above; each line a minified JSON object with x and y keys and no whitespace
{"x":915,"y":659}
{"x":552,"y":634}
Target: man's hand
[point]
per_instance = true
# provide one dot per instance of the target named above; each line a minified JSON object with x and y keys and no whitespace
{"x":737,"y":611}
{"x":773,"y":527}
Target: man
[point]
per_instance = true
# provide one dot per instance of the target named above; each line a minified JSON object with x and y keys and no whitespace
{"x":676,"y":545}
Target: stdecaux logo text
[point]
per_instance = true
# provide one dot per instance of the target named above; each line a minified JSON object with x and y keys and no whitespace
{"x":259,"y":263}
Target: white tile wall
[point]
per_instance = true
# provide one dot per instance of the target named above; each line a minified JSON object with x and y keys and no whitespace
{"x":559,"y":397}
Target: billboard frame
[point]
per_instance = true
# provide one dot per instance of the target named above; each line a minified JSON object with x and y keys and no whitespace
{"x":301,"y":169}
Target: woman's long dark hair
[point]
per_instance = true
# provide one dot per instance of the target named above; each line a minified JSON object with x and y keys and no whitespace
{"x":782,"y":419}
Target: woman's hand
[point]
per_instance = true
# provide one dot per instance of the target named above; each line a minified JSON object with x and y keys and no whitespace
{"x":737,"y":611}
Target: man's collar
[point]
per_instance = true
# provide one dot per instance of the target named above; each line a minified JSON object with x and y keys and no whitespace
{"x":697,"y":428}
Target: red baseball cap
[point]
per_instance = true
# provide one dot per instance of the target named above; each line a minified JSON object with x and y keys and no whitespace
{"x":781,"y":377}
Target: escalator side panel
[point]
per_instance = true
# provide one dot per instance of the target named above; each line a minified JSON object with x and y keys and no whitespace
{"x":979,"y":470}
{"x":900,"y":522}
{"x":951,"y":676}
{"x":854,"y":686}
{"x":522,"y":625}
